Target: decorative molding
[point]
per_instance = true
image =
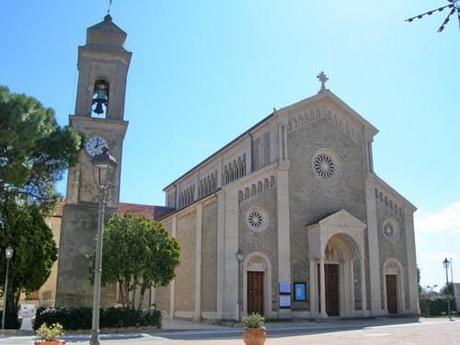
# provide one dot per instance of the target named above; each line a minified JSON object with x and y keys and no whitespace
{"x":311,"y":115}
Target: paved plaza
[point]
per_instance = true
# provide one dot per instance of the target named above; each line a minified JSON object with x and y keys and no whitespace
{"x":364,"y":332}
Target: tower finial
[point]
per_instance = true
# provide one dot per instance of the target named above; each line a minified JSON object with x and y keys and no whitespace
{"x":110,"y":5}
{"x":323,"y":79}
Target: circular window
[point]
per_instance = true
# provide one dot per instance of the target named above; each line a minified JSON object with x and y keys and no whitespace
{"x":257,"y":219}
{"x":390,"y":229}
{"x":324,"y":165}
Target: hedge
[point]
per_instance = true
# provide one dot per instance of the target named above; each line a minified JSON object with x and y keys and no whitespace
{"x":80,"y":318}
{"x":436,"y":306}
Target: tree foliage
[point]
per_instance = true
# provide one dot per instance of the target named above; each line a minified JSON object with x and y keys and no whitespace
{"x":34,"y":153}
{"x":24,"y":228}
{"x":138,"y":253}
{"x":34,"y":150}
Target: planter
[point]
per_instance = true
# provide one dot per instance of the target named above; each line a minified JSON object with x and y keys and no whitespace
{"x":49,"y":342}
{"x":254,"y":336}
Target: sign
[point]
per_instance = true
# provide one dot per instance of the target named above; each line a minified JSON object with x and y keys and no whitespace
{"x":300,"y":292}
{"x":285,"y":301}
{"x":285,"y":288}
{"x":27,"y":311}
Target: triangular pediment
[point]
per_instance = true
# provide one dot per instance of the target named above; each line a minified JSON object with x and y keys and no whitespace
{"x":326,"y":105}
{"x":343,"y":219}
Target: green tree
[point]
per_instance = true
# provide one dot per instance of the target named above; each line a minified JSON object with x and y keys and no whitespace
{"x":34,"y":153}
{"x":34,"y":150}
{"x":24,"y":228}
{"x":447,"y":289}
{"x":138,"y":254}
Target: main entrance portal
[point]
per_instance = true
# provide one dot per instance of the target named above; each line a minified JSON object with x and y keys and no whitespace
{"x":332,"y":289}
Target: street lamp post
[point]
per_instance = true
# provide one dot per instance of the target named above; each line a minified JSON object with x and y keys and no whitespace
{"x":239,"y":256}
{"x":8,"y":255}
{"x":104,"y":167}
{"x":446,"y":264}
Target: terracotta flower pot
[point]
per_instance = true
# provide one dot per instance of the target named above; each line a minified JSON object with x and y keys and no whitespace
{"x":49,"y":342}
{"x":254,"y":336}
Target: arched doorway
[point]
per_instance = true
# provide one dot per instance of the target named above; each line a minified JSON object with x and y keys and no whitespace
{"x":257,"y":284}
{"x":337,"y":264}
{"x":339,"y":256}
{"x":393,"y":286}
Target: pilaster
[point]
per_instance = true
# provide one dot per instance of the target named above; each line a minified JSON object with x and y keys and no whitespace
{"x":284,"y":239}
{"x":199,"y":223}
{"x":230,"y":263}
{"x":411,"y":261}
{"x":172,"y":284}
{"x":373,"y":245}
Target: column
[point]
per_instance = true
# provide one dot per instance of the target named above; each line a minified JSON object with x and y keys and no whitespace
{"x":199,"y":222}
{"x":322,"y":279}
{"x":373,"y":245}
{"x":314,"y":310}
{"x":352,"y":292}
{"x":363,"y":286}
{"x":284,"y":238}
{"x":411,"y":262}
{"x":172,"y":284}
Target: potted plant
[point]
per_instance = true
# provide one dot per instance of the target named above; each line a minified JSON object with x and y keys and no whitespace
{"x":254,"y":332}
{"x":50,"y":334}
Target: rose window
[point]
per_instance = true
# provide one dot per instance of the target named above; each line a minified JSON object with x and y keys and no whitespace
{"x":390,"y":229}
{"x":257,"y":219}
{"x":324,"y":166}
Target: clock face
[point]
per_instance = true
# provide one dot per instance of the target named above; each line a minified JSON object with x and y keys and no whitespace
{"x":94,"y":145}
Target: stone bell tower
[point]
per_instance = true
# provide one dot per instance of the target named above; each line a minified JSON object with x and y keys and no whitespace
{"x":103,"y":65}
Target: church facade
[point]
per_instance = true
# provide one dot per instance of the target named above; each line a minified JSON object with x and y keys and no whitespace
{"x":288,"y":220}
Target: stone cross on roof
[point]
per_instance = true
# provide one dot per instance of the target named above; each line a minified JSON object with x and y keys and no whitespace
{"x":323,"y":79}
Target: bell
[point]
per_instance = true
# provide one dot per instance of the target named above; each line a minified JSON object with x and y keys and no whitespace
{"x":98,"y":110}
{"x":100,"y":98}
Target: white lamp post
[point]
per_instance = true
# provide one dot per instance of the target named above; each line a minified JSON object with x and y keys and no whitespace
{"x":239,"y":256}
{"x":104,"y":168}
{"x":9,"y":251}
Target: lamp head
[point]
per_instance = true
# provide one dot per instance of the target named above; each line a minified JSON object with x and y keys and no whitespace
{"x":446,"y":263}
{"x":9,"y":251}
{"x":104,"y":167}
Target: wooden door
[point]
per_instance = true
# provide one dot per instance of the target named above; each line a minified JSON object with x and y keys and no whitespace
{"x":392,"y":293}
{"x":332,"y":289}
{"x":256,"y":292}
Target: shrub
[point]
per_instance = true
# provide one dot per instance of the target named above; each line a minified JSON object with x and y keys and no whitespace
{"x":436,"y":306}
{"x":80,"y":317}
{"x":253,"y":320}
{"x":49,"y":333}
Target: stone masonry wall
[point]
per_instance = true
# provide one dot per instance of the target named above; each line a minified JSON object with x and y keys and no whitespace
{"x":311,"y":198}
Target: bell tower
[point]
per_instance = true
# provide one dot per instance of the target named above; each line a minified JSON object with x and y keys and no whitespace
{"x":103,"y":65}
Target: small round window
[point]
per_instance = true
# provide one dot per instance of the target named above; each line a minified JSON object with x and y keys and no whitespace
{"x":390,"y":229}
{"x":257,"y":219}
{"x":324,"y":165}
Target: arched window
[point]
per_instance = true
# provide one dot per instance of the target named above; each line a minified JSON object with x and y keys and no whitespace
{"x":240,"y":196}
{"x":272,"y":181}
{"x":246,"y":193}
{"x":253,"y":190}
{"x":266,"y":184}
{"x":100,"y":100}
{"x":259,"y":187}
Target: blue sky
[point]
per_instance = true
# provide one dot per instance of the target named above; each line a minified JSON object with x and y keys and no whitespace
{"x":204,"y":71}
